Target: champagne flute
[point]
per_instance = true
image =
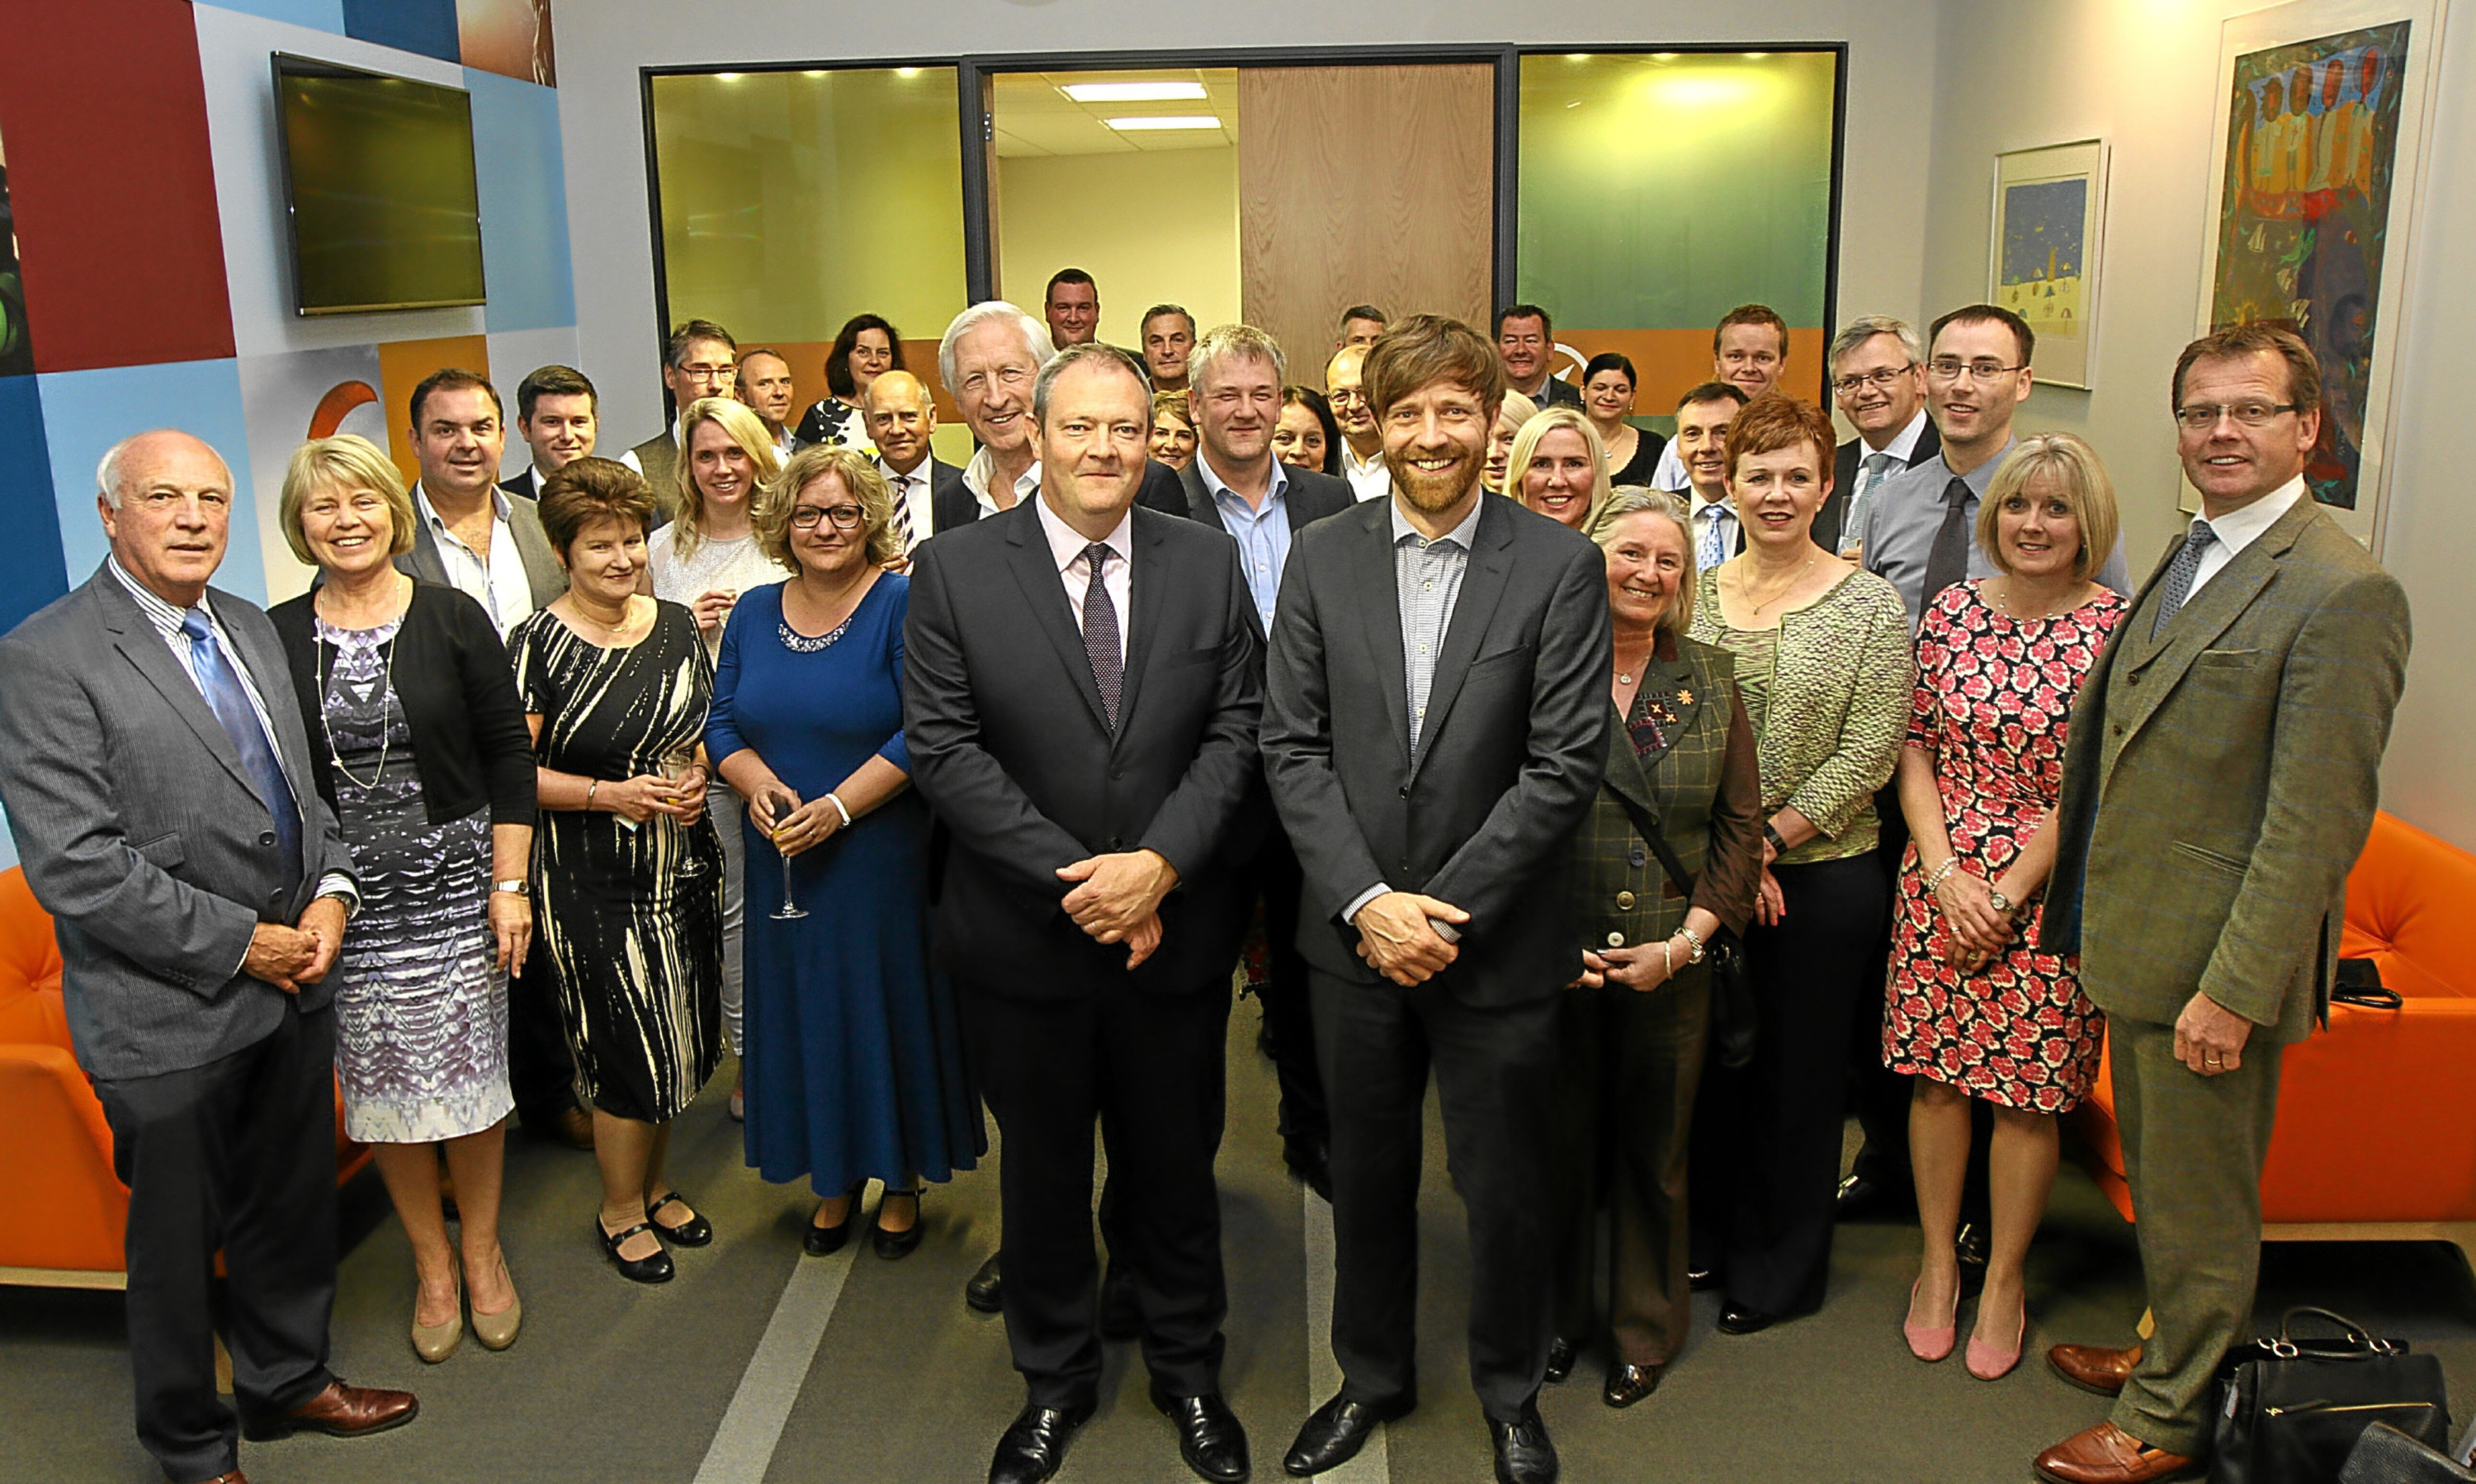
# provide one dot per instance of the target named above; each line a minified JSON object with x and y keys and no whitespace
{"x":677,"y":764}
{"x":781,"y":802}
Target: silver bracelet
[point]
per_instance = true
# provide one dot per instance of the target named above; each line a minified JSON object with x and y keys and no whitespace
{"x":1935,"y":877}
{"x":836,"y":801}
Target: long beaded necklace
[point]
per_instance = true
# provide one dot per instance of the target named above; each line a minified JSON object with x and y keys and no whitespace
{"x":326,"y":727}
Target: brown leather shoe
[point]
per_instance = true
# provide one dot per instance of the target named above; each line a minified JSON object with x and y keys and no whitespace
{"x":341,"y":1411}
{"x":2094,"y":1368}
{"x":234,"y":1477}
{"x":2107,"y":1454}
{"x":575,"y":1126}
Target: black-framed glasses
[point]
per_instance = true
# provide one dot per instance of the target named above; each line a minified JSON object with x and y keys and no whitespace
{"x":846,"y":517}
{"x":1881,"y":380}
{"x":2202,"y":416}
{"x":1944,"y":368}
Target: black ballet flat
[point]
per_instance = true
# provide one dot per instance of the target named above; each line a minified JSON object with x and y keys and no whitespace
{"x":657,"y":1269}
{"x":894,"y":1245}
{"x":826,"y":1240}
{"x":695,"y":1231}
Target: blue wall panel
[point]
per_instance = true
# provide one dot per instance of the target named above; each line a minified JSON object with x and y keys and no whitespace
{"x":317,"y":15}
{"x":523,"y":203}
{"x":32,"y":573}
{"x":424,"y":26}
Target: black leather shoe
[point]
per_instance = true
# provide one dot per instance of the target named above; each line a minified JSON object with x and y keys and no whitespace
{"x":1560,"y":1360}
{"x":1035,"y":1444}
{"x":1701,"y":1280}
{"x":1121,"y":1312}
{"x":695,"y":1231}
{"x":1734,"y":1318}
{"x":1333,"y":1434}
{"x":826,"y":1240}
{"x":896,"y":1244}
{"x":1969,"y":1245}
{"x":1524,"y":1455}
{"x":1630,"y":1384}
{"x":985,"y":1290}
{"x":1859,"y":1198}
{"x":1208,"y":1435}
{"x":656,"y":1269}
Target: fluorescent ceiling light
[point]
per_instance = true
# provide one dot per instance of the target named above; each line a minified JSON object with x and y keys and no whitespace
{"x":1131,"y":92}
{"x":1131,"y":125}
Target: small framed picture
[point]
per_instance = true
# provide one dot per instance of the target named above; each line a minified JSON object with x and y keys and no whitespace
{"x":2042,"y":265}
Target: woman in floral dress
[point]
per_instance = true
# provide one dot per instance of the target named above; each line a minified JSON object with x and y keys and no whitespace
{"x":1975,"y":1010}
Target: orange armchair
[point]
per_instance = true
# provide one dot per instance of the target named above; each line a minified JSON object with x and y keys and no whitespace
{"x":2376,"y":1135}
{"x":57,"y":1152}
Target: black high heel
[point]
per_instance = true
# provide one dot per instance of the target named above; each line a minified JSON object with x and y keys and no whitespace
{"x":657,"y":1269}
{"x":826,"y":1240}
{"x":893,"y":1244}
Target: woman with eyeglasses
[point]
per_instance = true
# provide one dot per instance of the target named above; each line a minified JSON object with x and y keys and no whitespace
{"x":854,"y":1053}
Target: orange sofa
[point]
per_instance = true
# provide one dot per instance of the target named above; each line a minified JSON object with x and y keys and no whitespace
{"x":57,"y":1154}
{"x":2376,"y":1135}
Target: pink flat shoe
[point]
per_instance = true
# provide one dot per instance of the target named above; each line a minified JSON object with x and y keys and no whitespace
{"x":1989,"y":1364}
{"x":1933,"y":1344}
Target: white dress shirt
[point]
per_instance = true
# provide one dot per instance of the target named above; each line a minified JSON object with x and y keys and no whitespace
{"x":1889,"y":459}
{"x":1066,"y":545}
{"x":497,"y":581}
{"x":983,"y":468}
{"x":2238,"y":528}
{"x":1369,"y":481}
{"x":1669,"y":476}
{"x":912,"y":495}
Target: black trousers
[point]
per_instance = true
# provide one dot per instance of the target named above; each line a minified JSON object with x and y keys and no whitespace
{"x":1150,"y":1067}
{"x":1767,"y":1136}
{"x":1289,"y":1017}
{"x":541,"y":1070}
{"x":238,"y":1154}
{"x":1494,"y":1072}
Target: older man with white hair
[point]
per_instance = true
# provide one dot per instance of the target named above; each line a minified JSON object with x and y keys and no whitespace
{"x":156,"y":773}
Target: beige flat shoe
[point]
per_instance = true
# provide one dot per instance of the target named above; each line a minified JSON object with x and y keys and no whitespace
{"x":498,"y":1331}
{"x":435,"y":1343}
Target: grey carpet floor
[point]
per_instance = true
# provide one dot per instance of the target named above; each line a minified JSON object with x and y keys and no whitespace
{"x":610,"y":1381}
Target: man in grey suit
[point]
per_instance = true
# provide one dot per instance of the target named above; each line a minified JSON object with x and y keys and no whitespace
{"x":1434,"y":732}
{"x":156,"y":778}
{"x":467,"y":533}
{"x":2221,"y":776}
{"x":699,"y":359}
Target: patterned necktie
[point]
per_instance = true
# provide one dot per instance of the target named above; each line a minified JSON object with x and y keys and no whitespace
{"x":1101,"y":631}
{"x":1715,"y":535}
{"x":1947,"y":563}
{"x":903,"y":529}
{"x":228,"y":700}
{"x":2180,"y":573}
{"x":1870,"y":475}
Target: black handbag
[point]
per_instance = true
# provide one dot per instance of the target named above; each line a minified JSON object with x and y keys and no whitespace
{"x":2386,"y":1455}
{"x":2293,"y":1408}
{"x":1734,"y":1020}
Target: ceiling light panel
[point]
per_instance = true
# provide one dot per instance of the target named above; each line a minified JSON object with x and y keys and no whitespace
{"x":1132,"y":92}
{"x":1194,"y":121}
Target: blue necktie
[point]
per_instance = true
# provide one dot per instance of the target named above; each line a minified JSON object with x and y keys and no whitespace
{"x":2180,"y":573}
{"x":228,"y":700}
{"x":1715,"y":536}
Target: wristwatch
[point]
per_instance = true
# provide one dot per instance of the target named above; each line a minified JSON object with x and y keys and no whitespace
{"x":2002,"y":903}
{"x":1772,"y":836}
{"x":516,"y":888}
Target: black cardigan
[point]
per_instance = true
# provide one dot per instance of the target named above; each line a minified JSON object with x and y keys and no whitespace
{"x":470,"y":744}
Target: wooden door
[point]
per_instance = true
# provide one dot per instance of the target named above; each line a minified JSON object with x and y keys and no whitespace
{"x":1368,"y":185}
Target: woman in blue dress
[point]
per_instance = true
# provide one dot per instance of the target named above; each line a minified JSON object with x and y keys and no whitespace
{"x":854,"y":1060}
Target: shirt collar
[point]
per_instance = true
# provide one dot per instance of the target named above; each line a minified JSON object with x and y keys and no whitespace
{"x":1350,"y":459}
{"x":1461,"y":535}
{"x":430,"y":512}
{"x":1904,"y":442}
{"x":1702,"y":505}
{"x":1979,"y":477}
{"x":158,"y":610}
{"x":919,"y":471}
{"x":2238,"y":528}
{"x":1220,"y":489}
{"x":1066,"y":543}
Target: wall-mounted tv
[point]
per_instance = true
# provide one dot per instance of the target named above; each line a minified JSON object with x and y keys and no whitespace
{"x":379,"y":189}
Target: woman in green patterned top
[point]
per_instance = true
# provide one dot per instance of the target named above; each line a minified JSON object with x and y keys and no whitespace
{"x":1633,"y":1030}
{"x":1823,"y":664}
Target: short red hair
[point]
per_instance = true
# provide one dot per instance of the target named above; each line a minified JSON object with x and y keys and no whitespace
{"x":1774,"y":421}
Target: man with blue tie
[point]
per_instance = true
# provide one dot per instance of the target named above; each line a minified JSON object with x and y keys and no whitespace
{"x":1702,"y":418}
{"x":156,"y":773}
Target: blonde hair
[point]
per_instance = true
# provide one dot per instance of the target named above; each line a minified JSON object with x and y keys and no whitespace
{"x":1525,"y":445}
{"x":745,"y":429}
{"x":2079,"y":477}
{"x":862,"y":481}
{"x":352,"y":462}
{"x":1638,"y":500}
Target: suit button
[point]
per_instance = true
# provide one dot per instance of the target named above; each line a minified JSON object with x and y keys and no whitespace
{"x":1636,"y":856}
{"x":1616,"y":940}
{"x":2132,"y":679}
{"x":1624,"y":901}
{"x":275,"y":898}
{"x":1405,"y":790}
{"x":2117,"y":729}
{"x":1117,"y":844}
{"x":267,"y":837}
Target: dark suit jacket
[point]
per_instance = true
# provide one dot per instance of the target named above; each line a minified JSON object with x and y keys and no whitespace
{"x":1843,"y":482}
{"x":542,"y":571}
{"x":1311,"y":496}
{"x":949,"y":499}
{"x":141,"y":834}
{"x":525,"y":485}
{"x":1010,"y":746}
{"x":953,"y":504}
{"x":1509,"y":760}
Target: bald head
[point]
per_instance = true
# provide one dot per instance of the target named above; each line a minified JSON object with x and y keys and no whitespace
{"x":166,"y":499}
{"x":1342,"y":376}
{"x":900,"y":416}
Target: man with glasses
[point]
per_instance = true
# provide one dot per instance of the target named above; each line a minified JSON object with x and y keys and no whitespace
{"x":1525,"y":342}
{"x":1362,"y":442}
{"x":701,"y":359}
{"x":1918,"y":530}
{"x":2221,"y":776}
{"x":1878,"y":379}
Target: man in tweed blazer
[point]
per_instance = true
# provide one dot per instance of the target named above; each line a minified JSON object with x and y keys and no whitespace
{"x":157,"y":778}
{"x":2221,"y":778}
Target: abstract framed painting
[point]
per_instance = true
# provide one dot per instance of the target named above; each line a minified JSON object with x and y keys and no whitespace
{"x":2042,"y":262}
{"x":2318,"y":153}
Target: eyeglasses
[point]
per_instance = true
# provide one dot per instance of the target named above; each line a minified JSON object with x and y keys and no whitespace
{"x":710,"y":373}
{"x":2202,"y":416}
{"x":846,"y":517}
{"x":1947,"y":369}
{"x":1881,"y":380}
{"x":1339,"y":394}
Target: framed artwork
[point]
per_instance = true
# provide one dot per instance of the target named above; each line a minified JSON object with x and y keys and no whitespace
{"x":2317,"y":153}
{"x":2042,"y":265}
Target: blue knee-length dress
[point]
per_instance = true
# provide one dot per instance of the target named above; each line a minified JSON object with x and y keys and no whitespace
{"x":854,"y":1053}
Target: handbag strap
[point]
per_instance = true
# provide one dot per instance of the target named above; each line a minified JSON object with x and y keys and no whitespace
{"x":2353,"y":1330}
{"x":1648,"y":829}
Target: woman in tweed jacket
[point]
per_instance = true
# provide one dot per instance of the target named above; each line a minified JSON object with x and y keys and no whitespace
{"x":1633,"y":1028}
{"x":1823,"y":665}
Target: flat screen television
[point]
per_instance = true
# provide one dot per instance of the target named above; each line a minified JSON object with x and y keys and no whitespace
{"x":379,"y":189}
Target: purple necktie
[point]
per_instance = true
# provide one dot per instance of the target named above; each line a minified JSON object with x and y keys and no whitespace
{"x":1101,"y":632}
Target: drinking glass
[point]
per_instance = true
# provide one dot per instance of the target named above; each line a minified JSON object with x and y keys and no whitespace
{"x":781,"y":802}
{"x":677,"y":765}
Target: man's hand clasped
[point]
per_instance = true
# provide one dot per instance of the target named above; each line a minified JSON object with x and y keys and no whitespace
{"x":1398,"y":938}
{"x":1117,"y":898}
{"x":292,"y":958}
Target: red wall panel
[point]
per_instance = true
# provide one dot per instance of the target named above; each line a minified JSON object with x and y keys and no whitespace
{"x":103,"y":114}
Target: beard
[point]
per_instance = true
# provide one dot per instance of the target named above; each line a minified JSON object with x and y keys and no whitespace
{"x":1438,"y":491}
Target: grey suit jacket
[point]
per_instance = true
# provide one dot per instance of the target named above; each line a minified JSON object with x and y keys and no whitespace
{"x":542,"y":571}
{"x":658,"y":457}
{"x":142,"y":835}
{"x":1509,"y":757}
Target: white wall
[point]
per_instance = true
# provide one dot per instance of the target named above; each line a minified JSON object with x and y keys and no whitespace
{"x":604,"y":43}
{"x":2143,"y":74}
{"x":1183,"y":250}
